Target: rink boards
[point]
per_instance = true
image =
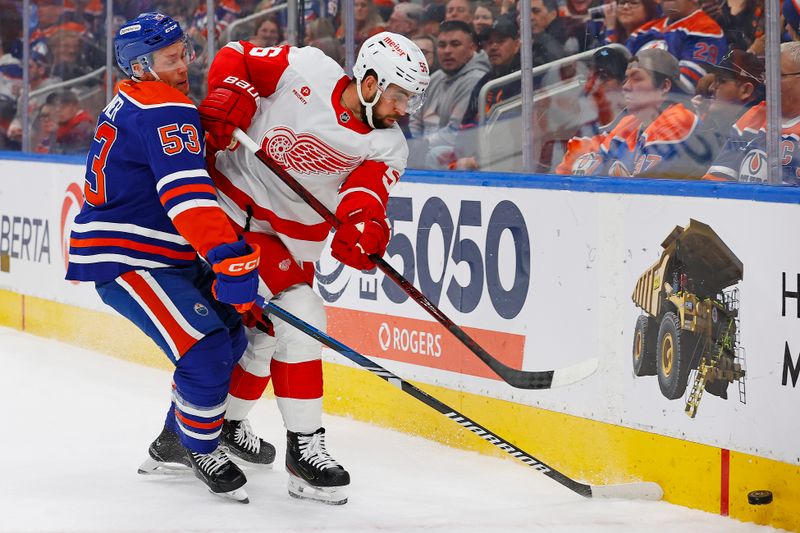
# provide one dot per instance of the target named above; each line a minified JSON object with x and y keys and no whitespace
{"x":541,"y":271}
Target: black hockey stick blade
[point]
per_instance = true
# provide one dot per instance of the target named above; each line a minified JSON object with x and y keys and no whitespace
{"x":644,"y":490}
{"x":521,"y":379}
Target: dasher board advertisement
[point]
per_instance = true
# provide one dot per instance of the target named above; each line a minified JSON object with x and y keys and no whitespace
{"x":690,"y":303}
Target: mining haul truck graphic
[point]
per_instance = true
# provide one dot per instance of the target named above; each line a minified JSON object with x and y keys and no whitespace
{"x":689,"y":327}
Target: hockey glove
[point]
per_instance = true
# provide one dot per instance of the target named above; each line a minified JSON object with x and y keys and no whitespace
{"x":236,"y":267}
{"x":256,"y":318}
{"x":227,"y":107}
{"x":364,"y":231}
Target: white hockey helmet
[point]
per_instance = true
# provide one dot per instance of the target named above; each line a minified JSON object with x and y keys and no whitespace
{"x":394,"y":59}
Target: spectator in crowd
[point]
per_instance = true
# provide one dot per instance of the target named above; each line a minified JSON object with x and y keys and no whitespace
{"x":550,"y":33}
{"x":791,"y":17}
{"x":506,"y":7}
{"x":384,"y":7}
{"x":576,"y":9}
{"x":268,"y":33}
{"x":427,"y":45}
{"x":37,"y":79}
{"x":368,"y":21}
{"x":623,"y":17}
{"x":10,"y":75}
{"x":51,"y":17}
{"x":501,"y":45}
{"x":743,"y":158}
{"x":603,"y":95}
{"x":436,"y":124}
{"x":8,"y":108}
{"x":331,"y":47}
{"x":502,"y":48}
{"x":72,"y":54}
{"x":405,"y":19}
{"x":75,"y":125}
{"x":319,"y":29}
{"x":741,"y":20}
{"x":44,"y":129}
{"x":431,"y":19}
{"x":737,"y":84}
{"x":688,"y":34}
{"x":658,"y":137}
{"x":483,"y":19}
{"x":462,"y":10}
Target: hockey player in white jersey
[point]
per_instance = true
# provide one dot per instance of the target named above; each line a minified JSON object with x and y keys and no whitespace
{"x":338,"y":137}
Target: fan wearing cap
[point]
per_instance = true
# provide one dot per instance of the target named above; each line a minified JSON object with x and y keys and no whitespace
{"x":338,"y":136}
{"x":501,"y":45}
{"x":657,"y":138}
{"x":688,"y":33}
{"x":744,"y":156}
{"x":461,"y":66}
{"x":603,"y":91}
{"x":736,"y":85}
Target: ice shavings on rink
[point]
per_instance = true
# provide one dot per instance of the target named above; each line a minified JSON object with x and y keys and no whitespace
{"x":78,"y":423}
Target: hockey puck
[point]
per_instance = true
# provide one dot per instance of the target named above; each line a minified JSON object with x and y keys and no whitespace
{"x":759,"y":497}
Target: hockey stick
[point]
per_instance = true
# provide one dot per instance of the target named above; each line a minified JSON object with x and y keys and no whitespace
{"x":644,"y":490}
{"x":520,"y":379}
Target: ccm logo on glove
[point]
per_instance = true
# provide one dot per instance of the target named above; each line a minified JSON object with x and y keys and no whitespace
{"x":234,"y":268}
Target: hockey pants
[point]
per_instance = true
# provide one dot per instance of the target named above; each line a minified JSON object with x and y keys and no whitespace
{"x":202,"y":337}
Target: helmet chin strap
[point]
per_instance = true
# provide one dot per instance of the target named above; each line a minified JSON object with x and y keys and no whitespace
{"x":367,"y":105}
{"x":144,"y":63}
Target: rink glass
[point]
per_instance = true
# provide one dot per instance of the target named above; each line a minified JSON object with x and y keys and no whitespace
{"x":68,"y":46}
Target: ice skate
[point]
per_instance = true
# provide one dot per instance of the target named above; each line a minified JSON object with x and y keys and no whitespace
{"x":313,"y":473}
{"x":220,"y":474}
{"x":241,"y":442}
{"x":167,"y":455}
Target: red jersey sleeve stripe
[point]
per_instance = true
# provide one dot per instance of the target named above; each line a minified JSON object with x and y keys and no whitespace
{"x":133,"y":245}
{"x":204,"y":227}
{"x":187,"y":189}
{"x":290,"y":228}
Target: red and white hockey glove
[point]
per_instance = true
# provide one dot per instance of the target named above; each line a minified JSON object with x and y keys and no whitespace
{"x":236,"y":267}
{"x":364,"y":231}
{"x":229,"y":106}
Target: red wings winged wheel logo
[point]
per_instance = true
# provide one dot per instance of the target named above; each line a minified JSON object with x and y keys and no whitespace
{"x":305,"y":153}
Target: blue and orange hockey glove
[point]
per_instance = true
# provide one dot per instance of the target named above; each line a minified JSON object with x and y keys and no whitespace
{"x":364,"y":231}
{"x":236,"y":267}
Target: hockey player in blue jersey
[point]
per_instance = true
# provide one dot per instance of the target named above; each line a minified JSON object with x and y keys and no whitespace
{"x":150,"y":209}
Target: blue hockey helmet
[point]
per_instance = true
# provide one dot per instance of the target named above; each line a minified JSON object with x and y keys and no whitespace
{"x":138,"y":38}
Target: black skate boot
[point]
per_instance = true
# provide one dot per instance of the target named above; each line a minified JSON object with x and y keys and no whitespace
{"x":313,"y":473}
{"x":240,"y":441}
{"x":220,"y":474}
{"x":167,"y":454}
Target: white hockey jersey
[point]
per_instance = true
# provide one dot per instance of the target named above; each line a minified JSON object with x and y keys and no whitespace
{"x":302,"y":124}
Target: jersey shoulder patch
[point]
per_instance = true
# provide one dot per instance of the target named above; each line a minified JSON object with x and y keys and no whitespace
{"x":146,"y":94}
{"x":674,"y":125}
{"x":754,"y":120}
{"x":698,"y":23}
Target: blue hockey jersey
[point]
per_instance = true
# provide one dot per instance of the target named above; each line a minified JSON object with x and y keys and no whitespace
{"x":693,"y":40}
{"x":149,"y":201}
{"x":744,"y":156}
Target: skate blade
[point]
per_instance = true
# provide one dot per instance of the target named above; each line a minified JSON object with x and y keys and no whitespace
{"x":302,"y":490}
{"x":153,"y":467}
{"x":239,"y":495}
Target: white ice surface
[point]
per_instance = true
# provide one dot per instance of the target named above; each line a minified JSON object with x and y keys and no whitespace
{"x":76,"y":424}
